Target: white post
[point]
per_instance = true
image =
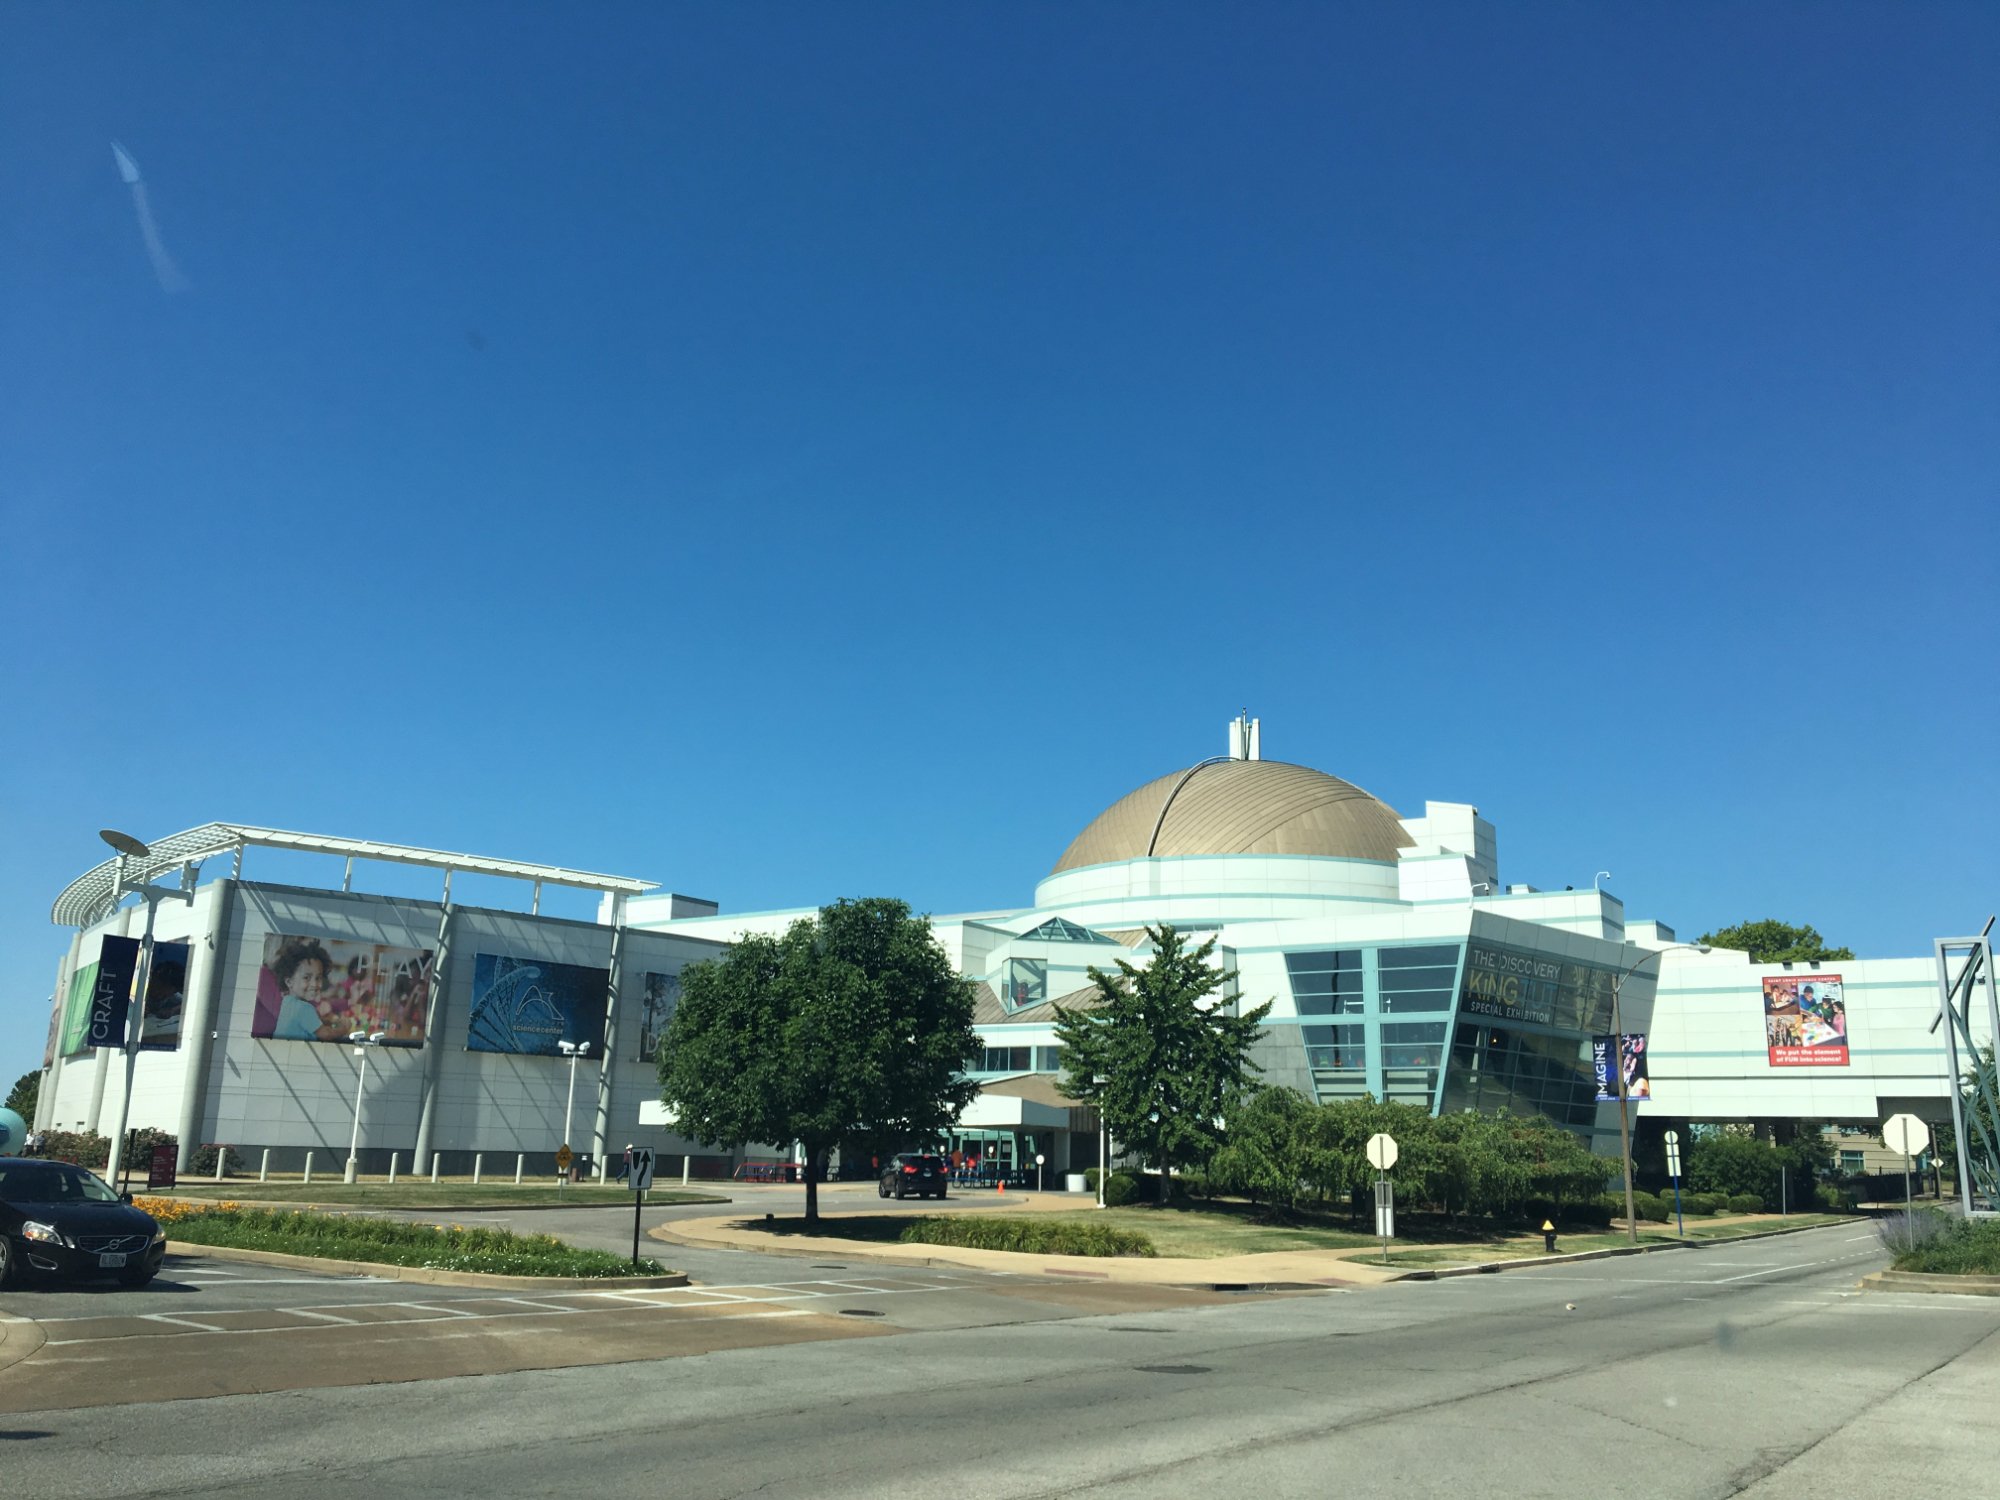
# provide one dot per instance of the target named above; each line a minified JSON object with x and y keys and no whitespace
{"x":520,"y":1161}
{"x":221,"y":1162}
{"x":436,"y":1157}
{"x":392,"y":1166}
{"x":309,"y":1168}
{"x":478,"y":1164}
{"x":686,"y":1161}
{"x":264,"y":1166}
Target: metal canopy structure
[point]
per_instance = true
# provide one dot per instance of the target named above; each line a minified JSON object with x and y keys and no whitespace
{"x":95,"y":894}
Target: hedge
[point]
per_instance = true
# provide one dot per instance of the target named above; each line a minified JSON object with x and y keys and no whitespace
{"x":1033,"y":1236}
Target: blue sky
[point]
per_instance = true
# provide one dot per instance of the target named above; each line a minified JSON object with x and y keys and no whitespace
{"x":798,"y":451}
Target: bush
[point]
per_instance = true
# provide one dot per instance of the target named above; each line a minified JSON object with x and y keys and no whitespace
{"x":497,"y":1252}
{"x":1033,"y":1236}
{"x":1950,"y":1247}
{"x":1834,"y":1200}
{"x":1120,"y":1189}
{"x":1705,"y":1203}
{"x":201,"y":1161}
{"x":1597,"y":1214}
{"x":1613,"y":1205}
{"x":84,"y":1148}
{"x":1745,"y":1203}
{"x":1652,"y":1206}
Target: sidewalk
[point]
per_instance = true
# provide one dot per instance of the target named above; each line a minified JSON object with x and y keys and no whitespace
{"x":1295,"y":1268}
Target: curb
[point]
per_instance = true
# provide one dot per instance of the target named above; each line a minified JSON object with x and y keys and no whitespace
{"x":319,"y":1205}
{"x":18,"y":1340}
{"x":1086,"y":1267}
{"x":666,"y":1234}
{"x":1491,"y":1267}
{"x":1931,"y":1281}
{"x":426,"y":1274}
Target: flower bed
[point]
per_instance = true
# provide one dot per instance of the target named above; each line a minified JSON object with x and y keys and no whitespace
{"x":495,"y":1252}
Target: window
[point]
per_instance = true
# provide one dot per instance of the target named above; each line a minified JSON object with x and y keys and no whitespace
{"x":1853,"y":1162}
{"x":1027,"y":983}
{"x":1056,"y":930}
{"x":1326,"y":984}
{"x":1417,"y":979}
{"x":1495,"y":1068}
{"x":1048,"y":1059}
{"x":1336,"y":1048}
{"x":1008,"y":1060}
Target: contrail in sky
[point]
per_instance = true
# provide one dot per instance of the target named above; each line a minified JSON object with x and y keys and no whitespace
{"x":168,"y":274}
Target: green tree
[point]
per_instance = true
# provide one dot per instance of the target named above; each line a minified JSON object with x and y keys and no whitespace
{"x":1175,"y":1062}
{"x":1775,"y":942}
{"x":22,"y":1097}
{"x":852,"y":1025}
{"x":1272,"y":1152}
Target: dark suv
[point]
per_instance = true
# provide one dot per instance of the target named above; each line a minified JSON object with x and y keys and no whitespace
{"x":60,"y":1220}
{"x":913,"y":1172}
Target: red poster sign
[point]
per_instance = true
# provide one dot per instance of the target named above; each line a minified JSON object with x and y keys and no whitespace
{"x":160,"y":1171}
{"x":1805,"y":1021}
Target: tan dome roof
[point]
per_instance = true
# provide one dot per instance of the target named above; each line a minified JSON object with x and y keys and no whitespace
{"x":1240,"y":807}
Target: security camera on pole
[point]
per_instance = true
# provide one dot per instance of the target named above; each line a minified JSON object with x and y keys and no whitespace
{"x":362,"y":1040}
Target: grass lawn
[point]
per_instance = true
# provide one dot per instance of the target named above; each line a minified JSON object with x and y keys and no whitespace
{"x":448,"y":1247}
{"x":423,"y":1193}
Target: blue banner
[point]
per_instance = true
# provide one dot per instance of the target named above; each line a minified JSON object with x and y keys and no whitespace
{"x":527,"y":1005}
{"x":111,"y":996}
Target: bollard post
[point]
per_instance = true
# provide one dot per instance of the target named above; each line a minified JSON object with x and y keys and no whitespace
{"x":221,"y":1162}
{"x":309,"y":1168}
{"x":392,"y":1166}
{"x":264,"y":1166}
{"x":520,"y":1161}
{"x":478,"y":1166}
{"x":685,"y":1159}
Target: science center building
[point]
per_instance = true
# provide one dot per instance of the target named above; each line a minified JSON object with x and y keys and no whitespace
{"x":1398,"y":963}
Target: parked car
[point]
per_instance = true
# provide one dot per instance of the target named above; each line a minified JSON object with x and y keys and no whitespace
{"x":63,"y":1221}
{"x":914,"y":1172}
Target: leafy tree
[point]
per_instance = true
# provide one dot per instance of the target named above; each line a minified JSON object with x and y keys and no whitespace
{"x":1732,"y":1162}
{"x":851,"y":1025}
{"x":1775,"y":942}
{"x":1175,"y":1061}
{"x":22,"y":1097}
{"x":1273,"y":1153}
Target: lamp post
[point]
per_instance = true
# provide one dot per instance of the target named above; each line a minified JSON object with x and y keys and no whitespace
{"x":362,"y":1040}
{"x":1103,"y":1137}
{"x":128,"y":847}
{"x":1618,"y":1069}
{"x":572,"y":1051}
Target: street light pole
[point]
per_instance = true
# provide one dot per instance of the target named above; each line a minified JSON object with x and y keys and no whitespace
{"x":135,"y":1011}
{"x":362,"y":1040}
{"x":571,"y":1050}
{"x":1103,"y":1137}
{"x":1618,"y":1069}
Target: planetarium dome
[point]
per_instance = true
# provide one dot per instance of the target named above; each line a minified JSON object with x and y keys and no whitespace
{"x":1240,"y":805}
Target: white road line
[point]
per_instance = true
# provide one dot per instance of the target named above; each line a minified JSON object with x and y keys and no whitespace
{"x":184,"y":1322}
{"x":447,"y":1310}
{"x":308,"y":1312}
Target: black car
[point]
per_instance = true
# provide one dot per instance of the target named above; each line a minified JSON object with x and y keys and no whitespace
{"x":57,"y":1220}
{"x":913,"y":1172}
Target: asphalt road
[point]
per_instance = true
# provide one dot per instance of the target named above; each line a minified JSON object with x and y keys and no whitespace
{"x":1752,"y":1368}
